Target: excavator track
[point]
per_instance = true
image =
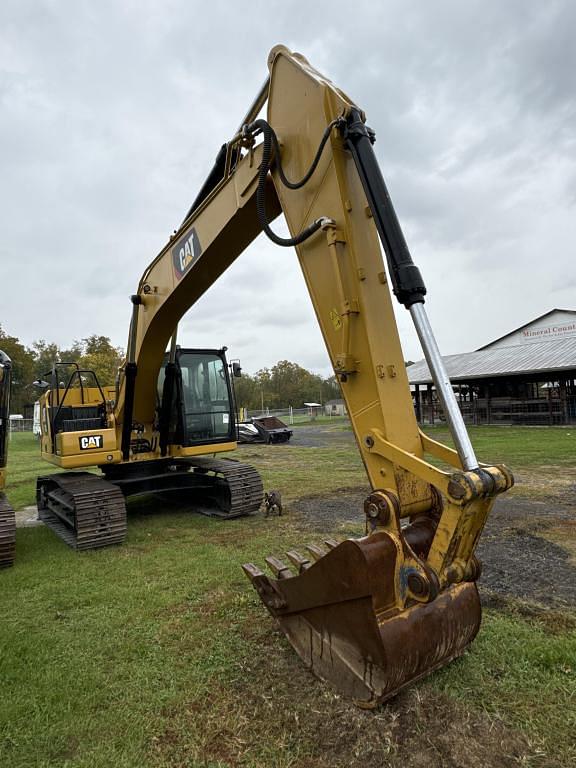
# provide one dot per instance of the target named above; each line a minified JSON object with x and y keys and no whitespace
{"x":7,"y":533}
{"x":239,"y":487}
{"x":83,"y":509}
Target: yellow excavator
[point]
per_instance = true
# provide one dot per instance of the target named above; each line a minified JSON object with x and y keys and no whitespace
{"x":7,"y":517}
{"x":369,"y":615}
{"x":144,"y":441}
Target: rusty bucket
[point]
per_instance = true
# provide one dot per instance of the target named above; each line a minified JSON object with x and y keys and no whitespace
{"x":347,"y":611}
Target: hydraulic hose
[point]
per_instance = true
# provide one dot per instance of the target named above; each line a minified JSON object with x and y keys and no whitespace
{"x":271,"y":140}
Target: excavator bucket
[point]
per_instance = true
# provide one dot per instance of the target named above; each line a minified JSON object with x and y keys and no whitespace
{"x":338,"y":607}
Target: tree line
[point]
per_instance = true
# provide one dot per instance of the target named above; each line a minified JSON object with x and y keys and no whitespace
{"x":29,"y":364}
{"x":283,"y":385}
{"x":280,"y":386}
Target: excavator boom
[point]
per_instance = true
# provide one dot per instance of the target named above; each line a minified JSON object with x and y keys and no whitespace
{"x":374,"y":614}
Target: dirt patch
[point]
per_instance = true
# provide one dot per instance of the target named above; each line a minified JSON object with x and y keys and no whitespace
{"x":564,"y":534}
{"x":517,"y":560}
{"x":257,"y":721}
{"x":327,"y":514}
{"x":27,"y":517}
{"x":568,"y":495}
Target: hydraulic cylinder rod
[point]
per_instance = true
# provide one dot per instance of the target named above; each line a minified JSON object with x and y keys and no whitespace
{"x":443,"y":387}
{"x":407,"y":281}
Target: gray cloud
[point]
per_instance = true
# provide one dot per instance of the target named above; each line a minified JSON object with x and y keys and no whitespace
{"x":111,"y":114}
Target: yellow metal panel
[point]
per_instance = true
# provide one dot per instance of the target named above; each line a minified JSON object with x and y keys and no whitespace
{"x":87,"y":443}
{"x":201,"y":450}
{"x":76,"y":461}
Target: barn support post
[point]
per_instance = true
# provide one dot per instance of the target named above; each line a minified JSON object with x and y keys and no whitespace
{"x":473,"y":403}
{"x":563,"y":400}
{"x":431,"y":402}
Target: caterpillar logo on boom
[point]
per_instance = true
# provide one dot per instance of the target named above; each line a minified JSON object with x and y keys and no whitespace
{"x":90,"y":441}
{"x":186,"y":252}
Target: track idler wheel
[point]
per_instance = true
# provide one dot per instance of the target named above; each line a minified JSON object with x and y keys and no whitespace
{"x":364,"y":618}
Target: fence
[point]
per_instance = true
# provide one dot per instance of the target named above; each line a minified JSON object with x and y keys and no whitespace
{"x":497,"y":410}
{"x":508,"y":411}
{"x":292,"y":415}
{"x":21,"y":425}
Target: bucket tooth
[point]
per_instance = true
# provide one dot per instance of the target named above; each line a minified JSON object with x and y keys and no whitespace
{"x":265,"y":587}
{"x":301,"y":562}
{"x":351,"y":621}
{"x":278,"y":568}
{"x":316,"y":551}
{"x":252,"y":571}
{"x":331,"y":543}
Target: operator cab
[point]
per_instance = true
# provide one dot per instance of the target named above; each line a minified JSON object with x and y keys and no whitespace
{"x":196,"y":399}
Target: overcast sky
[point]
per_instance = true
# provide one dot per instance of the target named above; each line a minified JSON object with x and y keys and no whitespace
{"x":111,"y":113}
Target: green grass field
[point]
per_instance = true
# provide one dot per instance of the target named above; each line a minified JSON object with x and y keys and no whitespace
{"x":159,"y":653}
{"x":520,"y":447}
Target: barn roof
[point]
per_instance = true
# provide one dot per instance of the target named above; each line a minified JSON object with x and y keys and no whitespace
{"x":537,"y":357}
{"x":527,"y":325}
